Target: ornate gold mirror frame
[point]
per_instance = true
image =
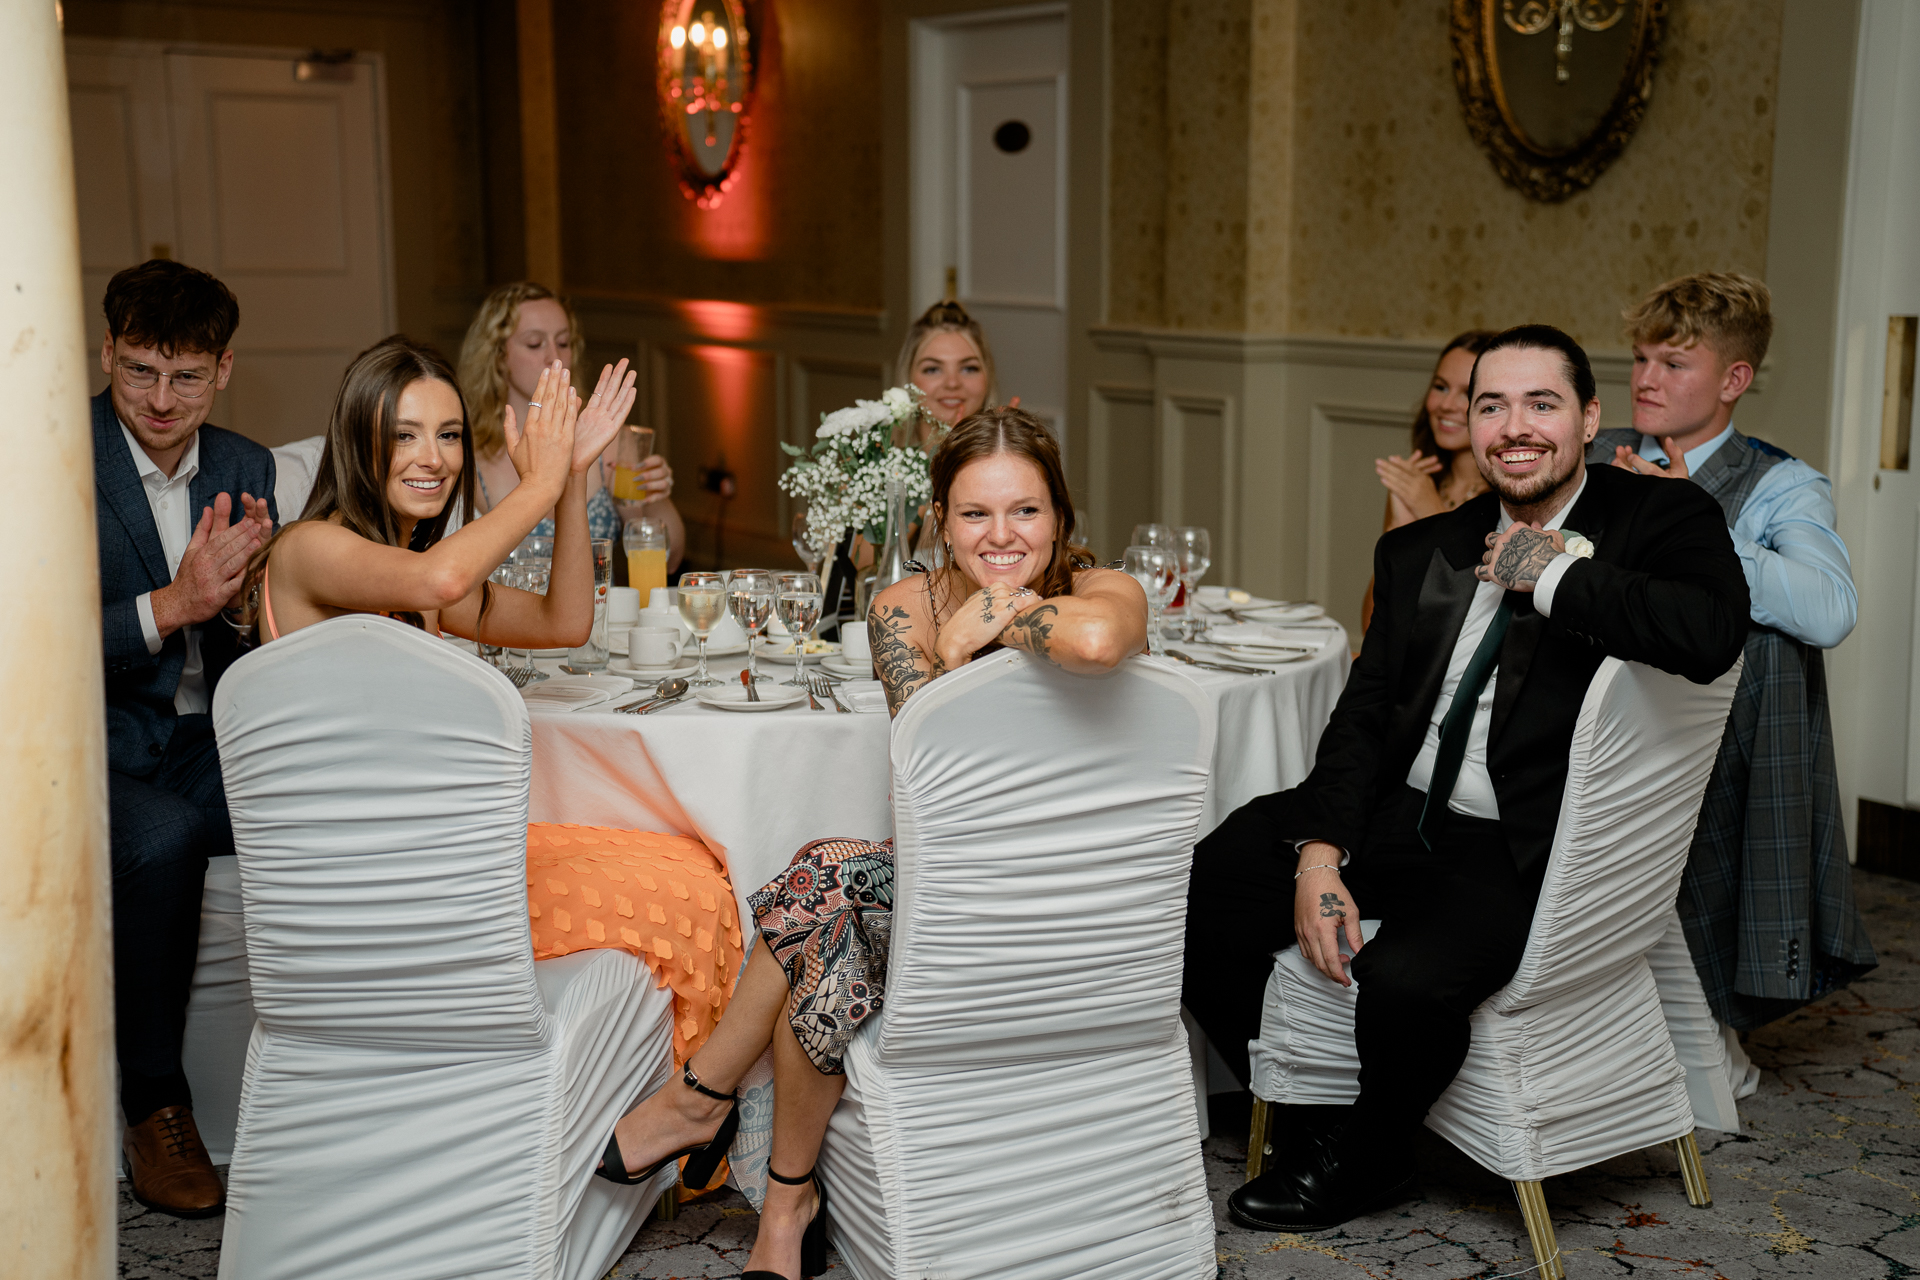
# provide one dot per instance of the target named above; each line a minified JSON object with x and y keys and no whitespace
{"x":704,"y":80}
{"x":1552,"y":90}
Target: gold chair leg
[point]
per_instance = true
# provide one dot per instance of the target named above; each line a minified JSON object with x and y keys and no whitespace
{"x":1259,"y":1138}
{"x":668,"y":1206}
{"x":1692,"y":1172}
{"x":1533,"y":1211}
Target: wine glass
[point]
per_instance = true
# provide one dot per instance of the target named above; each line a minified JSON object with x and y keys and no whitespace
{"x":750,"y":600}
{"x":1157,"y":570}
{"x":1195,"y":551}
{"x":702,"y":604}
{"x":1152,"y":535}
{"x":797,"y":603}
{"x":810,"y":555}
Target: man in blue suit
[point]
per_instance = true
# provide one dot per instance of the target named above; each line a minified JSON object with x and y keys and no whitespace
{"x":177,"y":523}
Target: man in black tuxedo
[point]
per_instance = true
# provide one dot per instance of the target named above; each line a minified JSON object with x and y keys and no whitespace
{"x":1434,"y":795}
{"x":177,"y":522}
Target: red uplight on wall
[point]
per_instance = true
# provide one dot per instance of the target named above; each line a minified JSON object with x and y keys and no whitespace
{"x":705,"y":80}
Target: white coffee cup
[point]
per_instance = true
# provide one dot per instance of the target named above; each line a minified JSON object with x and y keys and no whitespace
{"x":663,"y":598}
{"x":623,"y":606}
{"x":853,"y":642}
{"x":655,"y":646}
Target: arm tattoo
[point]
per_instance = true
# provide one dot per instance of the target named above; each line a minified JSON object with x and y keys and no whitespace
{"x":894,"y":656}
{"x":1032,"y":631}
{"x":1524,"y":558}
{"x":1331,"y":905}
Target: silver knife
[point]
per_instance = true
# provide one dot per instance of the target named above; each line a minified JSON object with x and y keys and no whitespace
{"x":1219,"y":666}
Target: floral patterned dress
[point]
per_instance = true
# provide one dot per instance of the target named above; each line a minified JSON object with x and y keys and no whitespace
{"x":828,"y":920}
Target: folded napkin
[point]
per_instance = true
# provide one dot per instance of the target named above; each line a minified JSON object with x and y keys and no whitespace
{"x":572,"y":693}
{"x":864,"y":695}
{"x":1256,"y":635}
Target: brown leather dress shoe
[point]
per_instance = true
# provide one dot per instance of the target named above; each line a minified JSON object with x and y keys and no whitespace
{"x":169,"y":1167}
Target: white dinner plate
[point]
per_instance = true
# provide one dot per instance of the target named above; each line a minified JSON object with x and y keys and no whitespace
{"x":686,"y":666}
{"x":837,"y":665}
{"x":776,"y":651}
{"x":733,"y":697}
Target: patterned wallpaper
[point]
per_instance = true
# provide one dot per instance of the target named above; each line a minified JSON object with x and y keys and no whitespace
{"x":1357,"y":204}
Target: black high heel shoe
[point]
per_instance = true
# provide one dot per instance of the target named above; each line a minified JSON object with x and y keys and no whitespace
{"x":813,"y":1245}
{"x":704,"y":1159}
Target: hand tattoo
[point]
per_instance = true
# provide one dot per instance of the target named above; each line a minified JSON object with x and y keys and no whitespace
{"x":1331,"y":905}
{"x":894,"y":657}
{"x":1525,"y":557}
{"x":1033,"y":631}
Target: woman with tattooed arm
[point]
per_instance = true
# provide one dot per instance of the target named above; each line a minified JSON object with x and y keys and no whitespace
{"x":1011,"y":579}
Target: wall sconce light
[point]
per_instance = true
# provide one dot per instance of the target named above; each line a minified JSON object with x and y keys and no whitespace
{"x":705,"y":79}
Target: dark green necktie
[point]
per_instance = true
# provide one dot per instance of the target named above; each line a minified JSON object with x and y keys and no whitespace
{"x":1458,"y":724}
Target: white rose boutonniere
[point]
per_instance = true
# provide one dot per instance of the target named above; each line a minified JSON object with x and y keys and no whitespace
{"x":1578,"y":544}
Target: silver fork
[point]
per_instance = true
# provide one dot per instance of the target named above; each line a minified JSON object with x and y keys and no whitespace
{"x":824,"y":688}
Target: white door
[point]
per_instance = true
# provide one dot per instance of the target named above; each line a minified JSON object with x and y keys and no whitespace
{"x":273,"y":183}
{"x":990,"y":189}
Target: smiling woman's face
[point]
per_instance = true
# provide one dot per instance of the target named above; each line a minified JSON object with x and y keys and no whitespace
{"x":1000,"y":521}
{"x":952,"y":374}
{"x":1447,"y":400}
{"x":427,"y":455}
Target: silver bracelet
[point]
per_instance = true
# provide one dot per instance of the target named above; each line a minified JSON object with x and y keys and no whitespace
{"x":1324,"y":866}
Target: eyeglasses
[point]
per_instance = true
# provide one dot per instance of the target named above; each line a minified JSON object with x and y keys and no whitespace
{"x":187,"y":384}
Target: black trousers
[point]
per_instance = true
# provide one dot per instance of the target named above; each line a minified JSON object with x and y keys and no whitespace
{"x":164,"y":828}
{"x":1453,"y":926}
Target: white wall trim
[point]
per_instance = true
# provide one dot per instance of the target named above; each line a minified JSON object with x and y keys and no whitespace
{"x":1328,"y":417}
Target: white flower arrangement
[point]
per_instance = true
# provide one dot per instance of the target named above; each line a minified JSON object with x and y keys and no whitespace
{"x":843,"y":476}
{"x":1578,"y":544}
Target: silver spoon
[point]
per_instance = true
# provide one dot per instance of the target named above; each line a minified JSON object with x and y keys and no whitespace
{"x":667,"y":690}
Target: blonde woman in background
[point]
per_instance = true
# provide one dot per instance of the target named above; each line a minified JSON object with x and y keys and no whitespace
{"x":519,"y":331}
{"x":947,"y":356}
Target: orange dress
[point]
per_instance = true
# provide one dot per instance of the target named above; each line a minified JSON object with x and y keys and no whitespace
{"x":664,"y":898}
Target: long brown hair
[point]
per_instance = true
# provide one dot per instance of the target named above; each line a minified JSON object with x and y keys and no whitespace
{"x":1015,"y":431}
{"x":1474,"y":340}
{"x":351,"y":482}
{"x":483,"y":356}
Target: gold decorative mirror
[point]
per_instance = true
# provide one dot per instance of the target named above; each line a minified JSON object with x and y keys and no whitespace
{"x":705,"y":76}
{"x":1553,"y":89}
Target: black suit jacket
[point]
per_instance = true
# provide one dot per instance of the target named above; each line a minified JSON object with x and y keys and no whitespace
{"x":141,"y":685}
{"x":1664,"y":587}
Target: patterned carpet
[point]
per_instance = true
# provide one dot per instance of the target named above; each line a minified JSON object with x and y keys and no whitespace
{"x":1825,"y":1182}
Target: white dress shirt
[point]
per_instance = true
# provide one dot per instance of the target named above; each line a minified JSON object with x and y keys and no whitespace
{"x":171,"y":500}
{"x":1473,"y":790}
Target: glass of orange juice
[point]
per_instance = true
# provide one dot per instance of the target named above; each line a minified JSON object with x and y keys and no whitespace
{"x":646,"y":544}
{"x":634,"y":447}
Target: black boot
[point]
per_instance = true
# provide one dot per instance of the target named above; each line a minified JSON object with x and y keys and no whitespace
{"x":1331,"y":1179}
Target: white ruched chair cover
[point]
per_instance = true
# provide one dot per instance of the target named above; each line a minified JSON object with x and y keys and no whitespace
{"x":1024,"y":1107}
{"x":421,"y":1099}
{"x":1574,"y":1061}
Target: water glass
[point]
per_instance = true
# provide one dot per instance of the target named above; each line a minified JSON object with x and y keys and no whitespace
{"x":1192,"y":545}
{"x":797,"y":604}
{"x":1157,"y":570}
{"x":1152,"y":535}
{"x":592,"y":656}
{"x":702,"y":604}
{"x":750,"y":600}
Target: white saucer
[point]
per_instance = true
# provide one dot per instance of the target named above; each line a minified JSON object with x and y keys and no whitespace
{"x":717,"y":650}
{"x":686,"y":666}
{"x":836,"y":665}
{"x":772,"y":651}
{"x":733,"y":697}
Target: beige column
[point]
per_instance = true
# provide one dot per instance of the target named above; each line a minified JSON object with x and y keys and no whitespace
{"x":56,"y":1058}
{"x":539,"y":141}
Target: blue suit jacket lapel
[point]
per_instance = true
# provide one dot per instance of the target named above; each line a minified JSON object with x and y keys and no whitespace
{"x":118,"y":482}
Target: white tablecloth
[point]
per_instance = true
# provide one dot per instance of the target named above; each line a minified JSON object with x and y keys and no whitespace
{"x":757,"y":786}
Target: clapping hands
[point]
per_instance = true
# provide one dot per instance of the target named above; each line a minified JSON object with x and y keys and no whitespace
{"x":542,"y":451}
{"x":1676,"y":468}
{"x":214,"y":564}
{"x":1409,"y":484}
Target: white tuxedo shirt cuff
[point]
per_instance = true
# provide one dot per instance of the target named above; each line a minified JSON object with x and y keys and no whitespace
{"x":1550,"y":580}
{"x":143,"y":605}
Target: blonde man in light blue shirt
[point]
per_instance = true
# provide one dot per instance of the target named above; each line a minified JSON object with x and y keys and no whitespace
{"x":1767,"y":900}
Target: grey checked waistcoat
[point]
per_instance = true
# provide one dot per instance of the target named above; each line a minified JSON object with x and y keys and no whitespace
{"x":1767,"y":898}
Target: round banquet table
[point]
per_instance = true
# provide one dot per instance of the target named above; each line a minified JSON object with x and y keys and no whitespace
{"x":755,"y":787}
